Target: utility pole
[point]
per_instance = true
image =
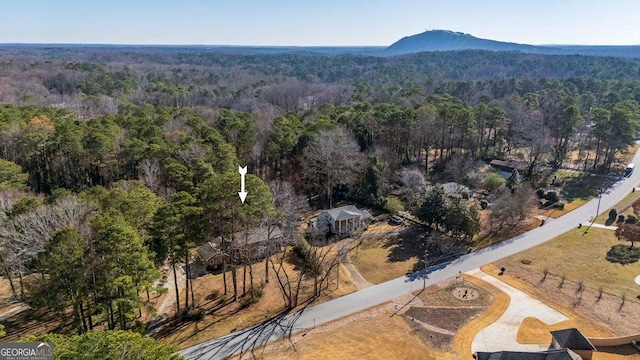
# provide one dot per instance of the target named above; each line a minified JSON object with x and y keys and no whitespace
{"x":424,"y":275}
{"x":597,"y":210}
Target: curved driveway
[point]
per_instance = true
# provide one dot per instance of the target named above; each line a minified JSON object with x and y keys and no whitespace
{"x":283,"y":326}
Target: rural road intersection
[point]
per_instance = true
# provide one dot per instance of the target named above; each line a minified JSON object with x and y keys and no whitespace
{"x":310,"y":317}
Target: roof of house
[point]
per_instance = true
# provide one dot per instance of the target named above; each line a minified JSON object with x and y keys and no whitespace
{"x":554,"y":354}
{"x":251,"y":236}
{"x":572,"y":339}
{"x":509,"y":164}
{"x":347,"y":212}
{"x":207,"y":250}
{"x":258,"y":234}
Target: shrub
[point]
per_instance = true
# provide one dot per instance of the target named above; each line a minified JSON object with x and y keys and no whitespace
{"x":552,"y":196}
{"x":613,"y":213}
{"x":631,"y":219}
{"x":493,"y":182}
{"x":310,"y":260}
{"x":620,"y":218}
{"x":192,"y":314}
{"x":212,"y":268}
{"x":393,"y":205}
{"x":252,"y":296}
{"x":623,"y":254}
{"x":139,"y":327}
{"x":559,"y":205}
{"x":540,"y":193}
{"x":214,"y":295}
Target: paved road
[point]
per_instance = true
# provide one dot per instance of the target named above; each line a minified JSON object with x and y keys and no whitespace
{"x":310,"y":317}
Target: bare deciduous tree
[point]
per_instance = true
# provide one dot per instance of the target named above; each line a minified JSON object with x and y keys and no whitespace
{"x":150,"y":174}
{"x":510,"y":209}
{"x":22,"y":238}
{"x":331,"y":159}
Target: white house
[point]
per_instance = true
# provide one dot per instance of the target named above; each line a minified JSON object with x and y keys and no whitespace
{"x":343,"y":220}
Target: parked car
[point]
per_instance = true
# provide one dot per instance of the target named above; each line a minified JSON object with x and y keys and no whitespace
{"x":396,"y":220}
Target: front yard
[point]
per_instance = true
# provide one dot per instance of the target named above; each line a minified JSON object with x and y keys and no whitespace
{"x":581,"y":257}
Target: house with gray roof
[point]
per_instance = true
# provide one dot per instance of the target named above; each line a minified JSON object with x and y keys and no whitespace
{"x":567,"y":344}
{"x":343,"y":220}
{"x":553,"y":354}
{"x":242,"y":247}
{"x":574,"y":340}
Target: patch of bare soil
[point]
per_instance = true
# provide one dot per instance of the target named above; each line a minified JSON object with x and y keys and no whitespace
{"x":442,"y":314}
{"x":450,"y":319}
{"x":618,"y":314}
{"x":438,"y":341}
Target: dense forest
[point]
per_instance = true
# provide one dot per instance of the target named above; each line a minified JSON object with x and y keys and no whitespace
{"x":117,"y":161}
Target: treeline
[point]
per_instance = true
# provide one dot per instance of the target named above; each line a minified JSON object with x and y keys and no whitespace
{"x":449,"y":65}
{"x":93,"y":82}
{"x":329,"y":147}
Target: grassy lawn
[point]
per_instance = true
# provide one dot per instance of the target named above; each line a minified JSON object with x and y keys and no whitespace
{"x":580,"y":256}
{"x":386,"y":251}
{"x":372,"y":260}
{"x":631,"y":197}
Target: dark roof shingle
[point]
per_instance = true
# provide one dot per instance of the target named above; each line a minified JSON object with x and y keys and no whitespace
{"x":572,"y":339}
{"x":554,"y":354}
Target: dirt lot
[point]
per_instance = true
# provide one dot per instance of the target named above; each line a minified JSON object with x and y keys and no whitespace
{"x":441,"y":314}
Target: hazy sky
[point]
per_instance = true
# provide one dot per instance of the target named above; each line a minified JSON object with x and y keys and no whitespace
{"x":317,"y":22}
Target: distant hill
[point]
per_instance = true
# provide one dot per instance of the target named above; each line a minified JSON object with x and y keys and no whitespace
{"x":445,"y":40}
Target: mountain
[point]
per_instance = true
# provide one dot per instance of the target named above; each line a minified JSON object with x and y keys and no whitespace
{"x":445,"y":40}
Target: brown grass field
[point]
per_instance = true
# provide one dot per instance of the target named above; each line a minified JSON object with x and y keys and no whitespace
{"x":373,"y":256}
{"x":581,"y":257}
{"x":225,"y":316}
{"x":376,"y":334}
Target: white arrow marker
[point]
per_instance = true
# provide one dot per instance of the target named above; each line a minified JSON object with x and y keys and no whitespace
{"x":242,"y":193}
